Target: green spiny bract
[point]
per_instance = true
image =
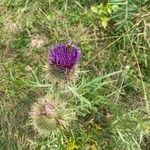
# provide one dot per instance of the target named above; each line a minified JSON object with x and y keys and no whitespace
{"x":51,"y":117}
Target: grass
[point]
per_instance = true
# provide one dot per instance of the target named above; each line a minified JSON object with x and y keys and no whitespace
{"x":112,"y":95}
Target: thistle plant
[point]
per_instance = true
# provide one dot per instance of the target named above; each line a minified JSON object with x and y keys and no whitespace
{"x":63,"y":60}
{"x":50,"y":117}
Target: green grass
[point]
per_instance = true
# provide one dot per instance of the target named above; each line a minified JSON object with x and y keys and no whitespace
{"x":112,"y":95}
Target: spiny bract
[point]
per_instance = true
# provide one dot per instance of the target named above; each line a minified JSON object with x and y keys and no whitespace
{"x":50,"y":117}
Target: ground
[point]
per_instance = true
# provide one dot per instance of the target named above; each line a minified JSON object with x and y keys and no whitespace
{"x":112,"y":94}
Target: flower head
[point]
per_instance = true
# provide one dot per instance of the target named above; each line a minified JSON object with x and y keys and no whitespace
{"x":50,"y":117}
{"x":64,"y":56}
{"x":63,"y":61}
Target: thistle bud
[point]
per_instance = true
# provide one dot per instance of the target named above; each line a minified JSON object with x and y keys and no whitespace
{"x":50,"y":117}
{"x":63,"y":62}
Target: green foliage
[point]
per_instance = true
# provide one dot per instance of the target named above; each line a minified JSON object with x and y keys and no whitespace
{"x":112,"y":95}
{"x":21,"y":40}
{"x":104,"y":12}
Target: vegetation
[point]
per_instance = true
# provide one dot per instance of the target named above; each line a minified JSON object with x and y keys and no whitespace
{"x":112,"y":94}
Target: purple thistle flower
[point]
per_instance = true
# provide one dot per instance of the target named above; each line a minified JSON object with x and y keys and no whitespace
{"x":64,"y":56}
{"x":63,"y":62}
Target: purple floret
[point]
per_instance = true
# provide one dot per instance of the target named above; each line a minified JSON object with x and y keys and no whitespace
{"x":64,"y":56}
